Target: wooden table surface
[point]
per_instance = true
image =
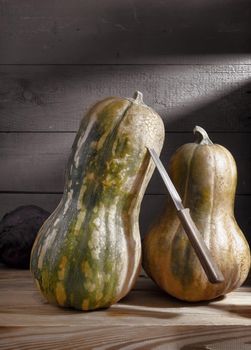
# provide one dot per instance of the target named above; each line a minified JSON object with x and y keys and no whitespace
{"x":145,"y":319}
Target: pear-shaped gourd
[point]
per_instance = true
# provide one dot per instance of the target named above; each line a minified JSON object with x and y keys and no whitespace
{"x":205,"y":176}
{"x":88,"y":253}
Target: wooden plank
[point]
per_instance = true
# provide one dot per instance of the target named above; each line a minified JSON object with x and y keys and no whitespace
{"x":54,"y":98}
{"x":35,"y":162}
{"x":152,"y":206}
{"x":21,"y":305}
{"x":130,"y":338}
{"x":142,"y":31}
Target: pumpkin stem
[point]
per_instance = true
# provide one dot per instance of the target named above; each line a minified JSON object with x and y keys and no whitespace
{"x":201,"y":136}
{"x":138,"y":96}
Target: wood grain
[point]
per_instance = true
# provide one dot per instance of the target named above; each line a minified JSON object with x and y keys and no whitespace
{"x":126,"y":338}
{"x":152,"y":206}
{"x":139,"y":31}
{"x":55,"y":97}
{"x":35,"y":162}
{"x":22,"y":305}
{"x":146,"y":318}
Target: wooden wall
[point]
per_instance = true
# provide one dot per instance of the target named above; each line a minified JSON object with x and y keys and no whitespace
{"x":191,"y":60}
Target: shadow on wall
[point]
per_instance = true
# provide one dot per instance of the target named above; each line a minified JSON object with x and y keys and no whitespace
{"x":141,"y":30}
{"x":36,"y":160}
{"x":54,"y":97}
{"x":114,"y":31}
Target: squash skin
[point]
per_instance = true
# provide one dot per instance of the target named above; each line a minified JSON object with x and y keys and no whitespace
{"x":87,"y":254}
{"x":205,"y":176}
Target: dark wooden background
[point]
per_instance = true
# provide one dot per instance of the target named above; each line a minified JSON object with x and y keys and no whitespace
{"x":191,"y":59}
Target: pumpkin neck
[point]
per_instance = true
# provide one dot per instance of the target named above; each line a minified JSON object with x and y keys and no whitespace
{"x":201,"y":136}
{"x":138,"y":97}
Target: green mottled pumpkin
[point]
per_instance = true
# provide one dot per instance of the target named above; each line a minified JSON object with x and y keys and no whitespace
{"x":205,"y":176}
{"x":87,"y":254}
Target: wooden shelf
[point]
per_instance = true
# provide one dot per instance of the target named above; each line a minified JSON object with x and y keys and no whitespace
{"x":146,"y":319}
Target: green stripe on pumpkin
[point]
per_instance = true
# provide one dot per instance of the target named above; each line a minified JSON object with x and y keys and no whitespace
{"x":88,"y":264}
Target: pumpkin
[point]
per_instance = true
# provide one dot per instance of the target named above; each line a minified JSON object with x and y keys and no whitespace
{"x":87,"y":254}
{"x":205,"y":176}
